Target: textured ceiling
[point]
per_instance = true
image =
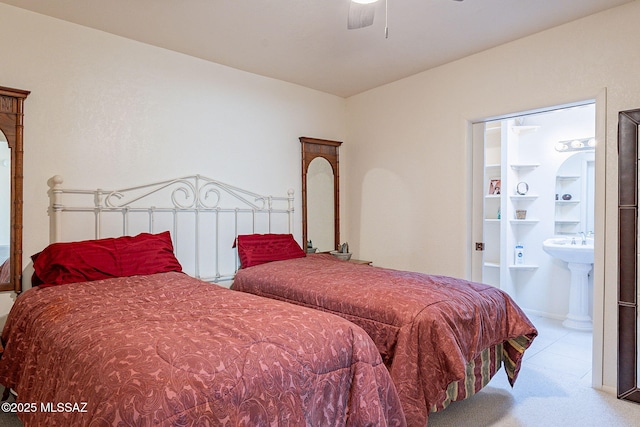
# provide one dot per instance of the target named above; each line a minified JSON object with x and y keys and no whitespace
{"x":307,"y":42}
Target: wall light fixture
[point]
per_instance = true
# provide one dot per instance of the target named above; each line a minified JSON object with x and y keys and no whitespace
{"x":581,"y":144}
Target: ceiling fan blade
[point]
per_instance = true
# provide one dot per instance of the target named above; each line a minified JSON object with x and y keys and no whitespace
{"x":360,"y":15}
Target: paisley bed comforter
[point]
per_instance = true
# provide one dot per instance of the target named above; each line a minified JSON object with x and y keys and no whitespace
{"x":169,"y":350}
{"x":427,"y":328}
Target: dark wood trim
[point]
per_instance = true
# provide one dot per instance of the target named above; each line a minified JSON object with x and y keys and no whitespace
{"x":12,"y":125}
{"x":628,"y":122}
{"x":327,"y":149}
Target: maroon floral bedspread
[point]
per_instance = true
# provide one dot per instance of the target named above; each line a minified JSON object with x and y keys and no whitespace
{"x":427,"y":328}
{"x":170,"y":350}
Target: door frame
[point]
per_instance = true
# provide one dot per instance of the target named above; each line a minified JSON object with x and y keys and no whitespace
{"x":475,"y":201}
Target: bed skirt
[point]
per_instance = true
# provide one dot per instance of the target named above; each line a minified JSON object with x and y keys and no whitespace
{"x":478,"y":374}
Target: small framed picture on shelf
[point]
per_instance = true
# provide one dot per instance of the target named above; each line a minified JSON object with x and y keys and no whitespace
{"x":494,"y":187}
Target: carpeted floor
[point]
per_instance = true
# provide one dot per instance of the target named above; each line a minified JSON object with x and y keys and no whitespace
{"x":553,"y":389}
{"x":541,"y":398}
{"x":8,"y":419}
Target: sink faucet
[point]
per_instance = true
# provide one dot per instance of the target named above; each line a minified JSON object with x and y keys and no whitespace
{"x":584,"y":237}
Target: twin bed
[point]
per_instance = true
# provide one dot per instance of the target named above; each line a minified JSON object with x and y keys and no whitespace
{"x":441,"y":338}
{"x":120,"y":325}
{"x":163,"y":348}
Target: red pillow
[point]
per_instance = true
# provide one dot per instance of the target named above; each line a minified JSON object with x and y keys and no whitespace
{"x":61,"y":263}
{"x":255,"y":249}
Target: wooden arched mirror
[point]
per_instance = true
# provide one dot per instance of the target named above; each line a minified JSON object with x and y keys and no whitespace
{"x":320,"y":193}
{"x":11,"y":153}
{"x":628,"y":340}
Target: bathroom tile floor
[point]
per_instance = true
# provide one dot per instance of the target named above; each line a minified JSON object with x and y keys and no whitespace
{"x":557,"y":348}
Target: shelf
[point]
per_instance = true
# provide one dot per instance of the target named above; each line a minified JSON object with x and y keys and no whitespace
{"x":523,"y":267}
{"x":492,"y":196}
{"x":516,"y":197}
{"x":492,"y":166}
{"x":567,"y":177}
{"x":524,"y":221}
{"x":520,"y":130}
{"x":518,"y":167}
{"x":567,"y":202}
{"x":567,"y":221}
{"x":491,"y":265}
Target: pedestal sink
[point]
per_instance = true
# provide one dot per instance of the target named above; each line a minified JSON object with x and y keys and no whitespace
{"x":579,"y":259}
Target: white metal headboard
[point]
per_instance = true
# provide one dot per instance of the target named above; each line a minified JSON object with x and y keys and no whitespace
{"x":203,"y":215}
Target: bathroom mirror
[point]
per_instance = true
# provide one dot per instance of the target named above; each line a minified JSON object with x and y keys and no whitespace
{"x":320,"y":192}
{"x":575,"y":189}
{"x":628,"y":340}
{"x":11,"y":153}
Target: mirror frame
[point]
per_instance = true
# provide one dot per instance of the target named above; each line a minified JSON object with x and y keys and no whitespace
{"x":628,"y":123}
{"x":11,"y":124}
{"x":327,"y":149}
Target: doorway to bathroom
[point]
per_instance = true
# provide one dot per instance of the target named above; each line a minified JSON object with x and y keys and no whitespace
{"x":534,"y":187}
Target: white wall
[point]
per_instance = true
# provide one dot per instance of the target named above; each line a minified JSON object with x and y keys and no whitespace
{"x":410,"y":151}
{"x":107,"y":112}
